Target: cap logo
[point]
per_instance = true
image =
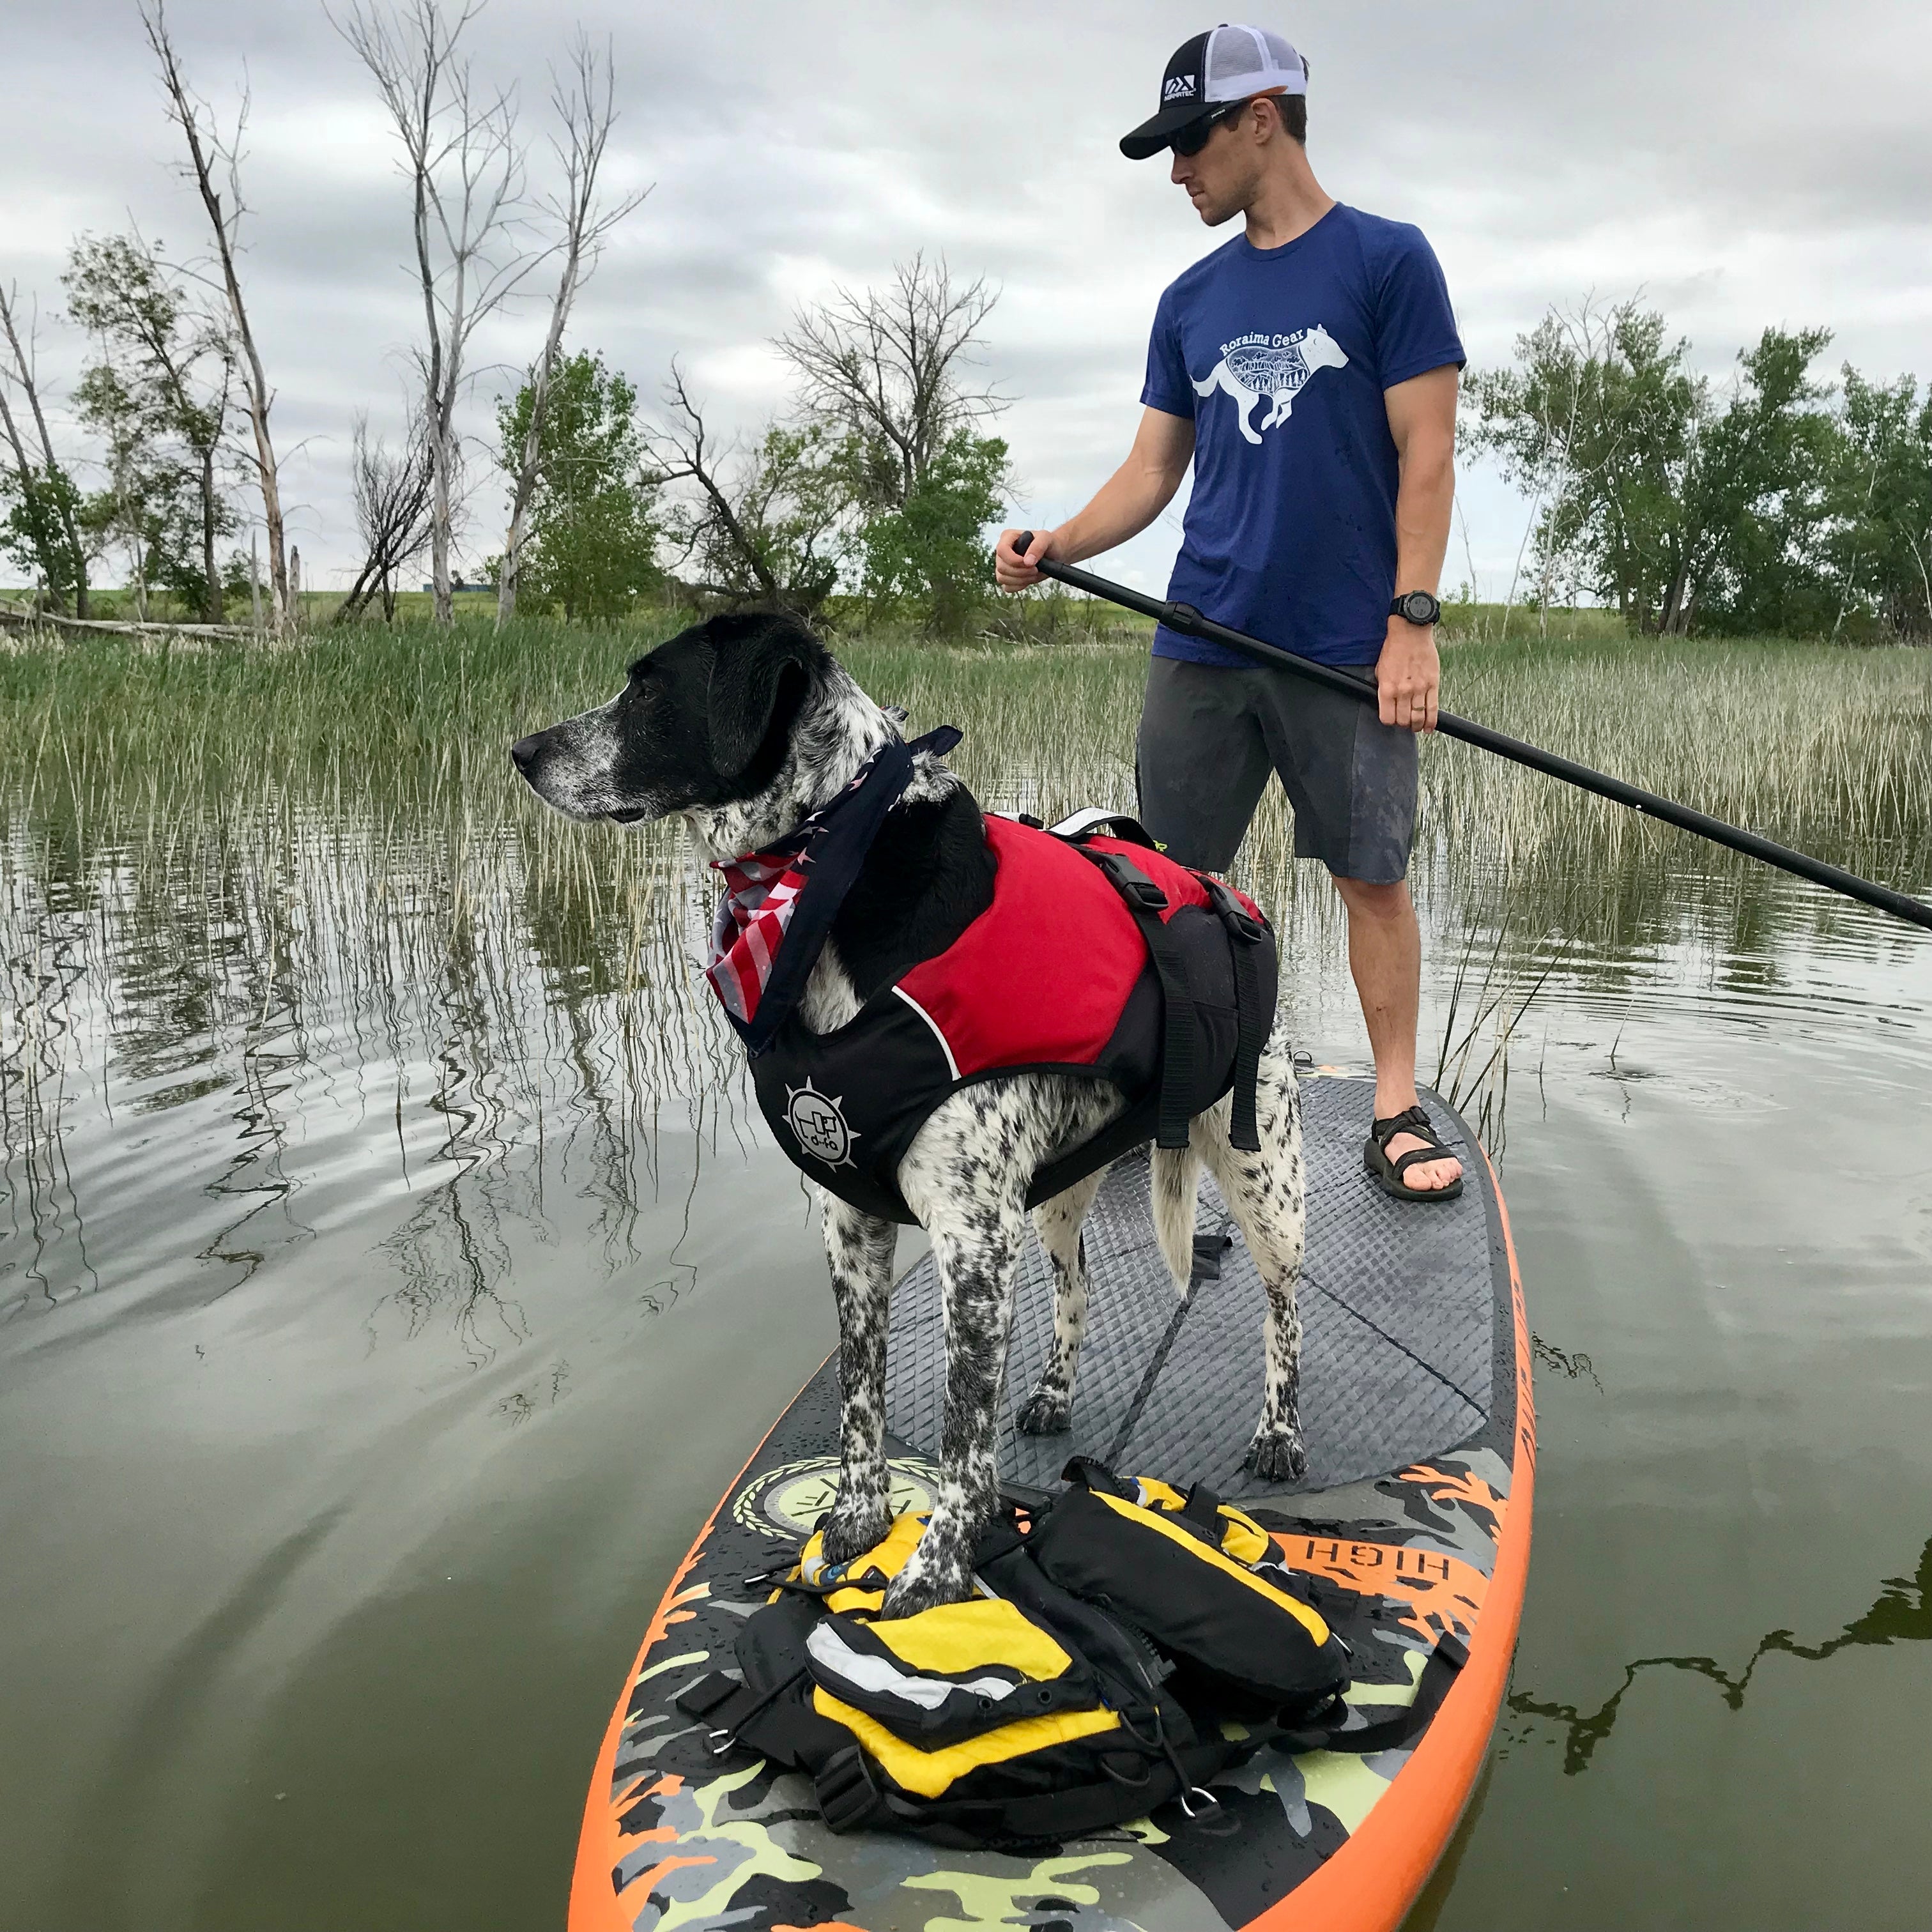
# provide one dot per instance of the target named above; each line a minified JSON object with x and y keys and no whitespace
{"x":1179,"y":87}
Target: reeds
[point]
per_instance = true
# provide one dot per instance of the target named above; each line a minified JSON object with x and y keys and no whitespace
{"x":290,"y":873}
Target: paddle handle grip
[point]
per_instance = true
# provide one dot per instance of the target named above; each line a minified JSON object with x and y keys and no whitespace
{"x":1189,"y":622}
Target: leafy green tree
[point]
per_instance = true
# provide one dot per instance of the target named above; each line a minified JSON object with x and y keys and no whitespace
{"x":1681,"y":508}
{"x":891,"y":373}
{"x":1597,"y":422}
{"x":146,"y":509}
{"x":157,"y":394}
{"x":41,"y":529}
{"x":1880,"y":494}
{"x":929,"y":553}
{"x":39,"y":503}
{"x":593,"y":535}
{"x":1762,"y":489}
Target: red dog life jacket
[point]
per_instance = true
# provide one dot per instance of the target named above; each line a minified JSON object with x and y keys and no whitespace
{"x":1098,"y":957}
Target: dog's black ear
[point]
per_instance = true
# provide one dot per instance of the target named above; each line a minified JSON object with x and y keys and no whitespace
{"x":759,"y":661}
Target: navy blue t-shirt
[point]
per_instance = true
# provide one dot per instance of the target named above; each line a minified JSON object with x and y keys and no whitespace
{"x":1280,"y":355}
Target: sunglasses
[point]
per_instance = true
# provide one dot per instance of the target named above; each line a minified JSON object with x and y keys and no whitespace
{"x":1192,"y":138}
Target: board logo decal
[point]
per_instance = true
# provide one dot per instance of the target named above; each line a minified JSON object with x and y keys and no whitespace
{"x":788,"y":1501}
{"x":821,"y":1128}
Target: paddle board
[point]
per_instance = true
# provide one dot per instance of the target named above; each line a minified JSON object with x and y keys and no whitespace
{"x":1413,"y":1522}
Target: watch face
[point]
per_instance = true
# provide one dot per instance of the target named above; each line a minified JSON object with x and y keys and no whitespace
{"x":1419,"y":607}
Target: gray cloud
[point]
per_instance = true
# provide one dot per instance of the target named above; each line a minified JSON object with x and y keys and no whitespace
{"x":1744,"y":164}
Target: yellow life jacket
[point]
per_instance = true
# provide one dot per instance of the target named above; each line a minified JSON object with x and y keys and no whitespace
{"x":1035,"y":1711}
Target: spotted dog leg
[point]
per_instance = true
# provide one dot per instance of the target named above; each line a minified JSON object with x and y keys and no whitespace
{"x":965,"y":1176}
{"x":860,"y":1248}
{"x":1264,"y":1191}
{"x":1048,"y":1411}
{"x":977,"y":1250}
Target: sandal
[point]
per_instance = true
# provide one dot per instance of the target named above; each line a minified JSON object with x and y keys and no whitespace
{"x":1388,"y":1173}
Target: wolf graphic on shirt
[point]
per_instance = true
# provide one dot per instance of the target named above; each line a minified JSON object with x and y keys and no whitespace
{"x":1274,"y":366}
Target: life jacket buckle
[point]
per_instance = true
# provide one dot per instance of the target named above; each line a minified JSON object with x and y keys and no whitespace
{"x":1128,"y":880}
{"x":847,"y":1799}
{"x":1235,"y":917}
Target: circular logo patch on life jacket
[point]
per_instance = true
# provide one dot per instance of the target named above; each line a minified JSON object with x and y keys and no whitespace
{"x":820,"y":1128}
{"x":788,"y":1502}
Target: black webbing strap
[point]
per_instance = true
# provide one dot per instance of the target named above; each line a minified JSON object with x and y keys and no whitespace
{"x":1250,"y":1023}
{"x":1394,"y":1732}
{"x":850,"y":1798}
{"x":738,"y":1714}
{"x":1147,"y":902}
{"x":1203,"y":1508}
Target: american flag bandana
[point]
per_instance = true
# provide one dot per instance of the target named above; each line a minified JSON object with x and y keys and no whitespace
{"x":779,"y":904}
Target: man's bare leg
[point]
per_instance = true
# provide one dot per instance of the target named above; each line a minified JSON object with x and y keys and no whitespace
{"x":1385,"y":956}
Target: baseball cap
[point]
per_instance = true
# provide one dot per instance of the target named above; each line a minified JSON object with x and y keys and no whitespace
{"x":1226,"y":63}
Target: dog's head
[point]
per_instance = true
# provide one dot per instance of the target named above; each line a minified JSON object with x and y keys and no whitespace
{"x":745,"y":723}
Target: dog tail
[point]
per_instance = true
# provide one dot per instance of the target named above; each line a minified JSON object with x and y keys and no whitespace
{"x":1175,"y":1173}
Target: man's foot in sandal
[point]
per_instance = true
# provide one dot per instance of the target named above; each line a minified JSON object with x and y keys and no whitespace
{"x":1408,"y":1160}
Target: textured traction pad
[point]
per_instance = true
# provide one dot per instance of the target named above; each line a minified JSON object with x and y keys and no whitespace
{"x":1398,"y":1311}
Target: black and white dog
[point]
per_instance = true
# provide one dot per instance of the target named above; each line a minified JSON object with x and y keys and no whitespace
{"x":745,"y":725}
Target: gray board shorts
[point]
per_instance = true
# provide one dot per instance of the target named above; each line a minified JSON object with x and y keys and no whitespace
{"x":1209,"y":734}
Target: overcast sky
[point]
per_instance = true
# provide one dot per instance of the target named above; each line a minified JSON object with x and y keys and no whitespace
{"x":1742,"y":164}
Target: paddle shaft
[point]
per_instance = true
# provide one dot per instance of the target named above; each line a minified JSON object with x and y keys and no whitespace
{"x":1190,"y":623}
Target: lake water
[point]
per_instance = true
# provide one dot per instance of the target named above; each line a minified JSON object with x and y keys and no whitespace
{"x":393,"y":1273}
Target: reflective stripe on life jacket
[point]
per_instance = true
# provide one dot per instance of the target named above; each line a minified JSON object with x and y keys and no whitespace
{"x":1055,"y":976}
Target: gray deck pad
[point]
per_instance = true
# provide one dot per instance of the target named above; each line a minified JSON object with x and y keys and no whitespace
{"x":1398,"y":1314}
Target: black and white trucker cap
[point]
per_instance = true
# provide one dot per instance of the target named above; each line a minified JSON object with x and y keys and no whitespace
{"x":1223,"y":64}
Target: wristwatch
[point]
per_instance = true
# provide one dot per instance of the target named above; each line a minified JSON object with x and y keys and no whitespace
{"x":1417,"y":606}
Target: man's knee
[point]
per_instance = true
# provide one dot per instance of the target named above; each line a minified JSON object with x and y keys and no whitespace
{"x":1375,"y":899}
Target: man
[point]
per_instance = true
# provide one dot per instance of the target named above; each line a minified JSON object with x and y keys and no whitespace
{"x":1309,"y":369}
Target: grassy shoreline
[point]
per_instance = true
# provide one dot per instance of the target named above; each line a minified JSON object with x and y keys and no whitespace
{"x":120,"y":741}
{"x":412,"y":692}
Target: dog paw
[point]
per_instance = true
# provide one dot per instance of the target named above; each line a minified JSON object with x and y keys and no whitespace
{"x":1276,"y":1456}
{"x":914,"y":1589}
{"x":1047,"y":1411}
{"x":850,"y":1533}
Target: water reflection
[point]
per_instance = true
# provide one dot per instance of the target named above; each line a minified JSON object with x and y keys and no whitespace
{"x":210,"y":1042}
{"x":222,"y":1037}
{"x":1901,"y":1613}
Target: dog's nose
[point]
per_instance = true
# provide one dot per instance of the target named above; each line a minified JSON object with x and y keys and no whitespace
{"x":523,"y":752}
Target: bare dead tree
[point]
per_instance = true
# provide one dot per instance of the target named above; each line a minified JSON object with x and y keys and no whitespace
{"x":766,"y":524}
{"x":214,"y":161}
{"x":891,"y":364}
{"x":46,"y":491}
{"x":465,"y":168}
{"x":393,"y":491}
{"x":684,"y":451}
{"x":583,"y":102}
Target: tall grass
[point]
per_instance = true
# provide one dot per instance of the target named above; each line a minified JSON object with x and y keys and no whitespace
{"x":217,"y":856}
{"x":126,"y":743}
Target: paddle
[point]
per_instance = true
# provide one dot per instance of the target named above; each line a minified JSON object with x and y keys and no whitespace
{"x":1189,"y":622}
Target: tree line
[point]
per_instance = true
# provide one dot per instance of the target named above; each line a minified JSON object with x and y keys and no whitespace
{"x":1777,"y":501}
{"x":875,"y":479}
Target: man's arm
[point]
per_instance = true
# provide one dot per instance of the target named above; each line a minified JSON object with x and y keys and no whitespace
{"x":1123,"y":507}
{"x":1422,"y":419}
